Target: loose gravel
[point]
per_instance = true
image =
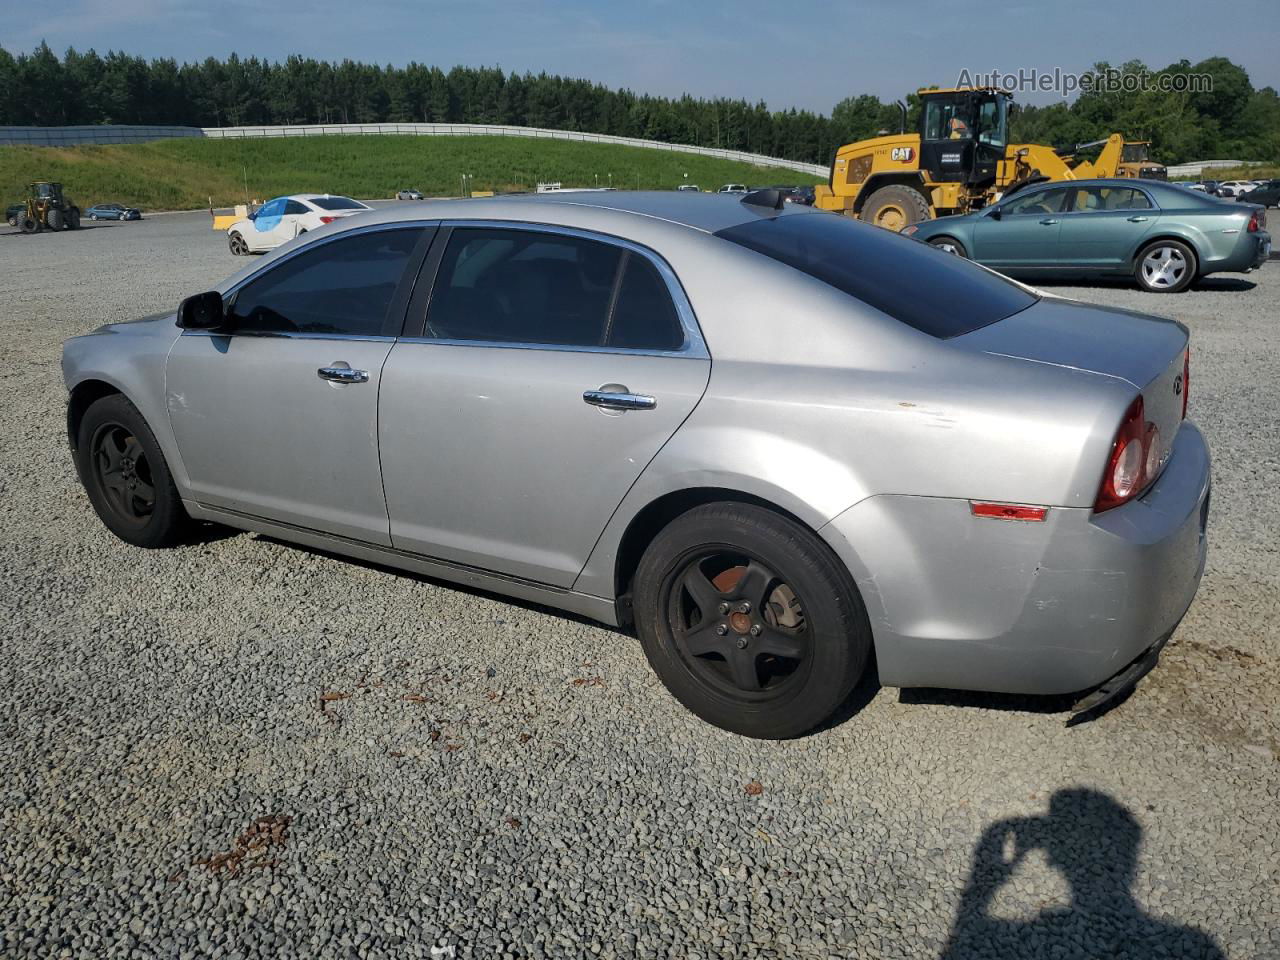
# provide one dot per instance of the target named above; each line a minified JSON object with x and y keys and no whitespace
{"x":240,"y":748}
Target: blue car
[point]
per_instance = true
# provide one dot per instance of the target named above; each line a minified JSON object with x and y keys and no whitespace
{"x":1161,"y":234}
{"x":113,"y":211}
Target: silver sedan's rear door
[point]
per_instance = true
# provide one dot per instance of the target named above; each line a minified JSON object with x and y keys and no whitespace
{"x":550,"y":369}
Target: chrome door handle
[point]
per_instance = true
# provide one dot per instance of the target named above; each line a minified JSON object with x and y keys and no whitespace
{"x":343,"y":374}
{"x":1137,"y":219}
{"x":619,"y":401}
{"x":1048,"y":223}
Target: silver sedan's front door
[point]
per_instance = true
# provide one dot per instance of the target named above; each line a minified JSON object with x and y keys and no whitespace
{"x":262,"y":431}
{"x":278,"y":416}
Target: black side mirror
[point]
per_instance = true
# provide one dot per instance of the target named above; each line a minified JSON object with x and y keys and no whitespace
{"x":203,"y":311}
{"x":995,"y":213}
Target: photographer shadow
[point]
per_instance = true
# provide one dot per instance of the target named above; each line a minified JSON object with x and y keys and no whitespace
{"x":1093,"y":841}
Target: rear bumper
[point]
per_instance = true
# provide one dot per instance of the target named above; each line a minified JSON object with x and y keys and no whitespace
{"x":1040,"y":608}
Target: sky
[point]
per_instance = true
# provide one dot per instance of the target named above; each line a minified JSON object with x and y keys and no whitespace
{"x":800,"y":54}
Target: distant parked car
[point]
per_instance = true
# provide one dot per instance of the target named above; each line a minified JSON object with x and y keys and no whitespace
{"x":113,"y":211}
{"x":1162,"y":236}
{"x":802,"y":195}
{"x":1210,"y":187}
{"x":1267,"y":194}
{"x":408,"y":195}
{"x":1232,"y":188}
{"x":689,"y":188}
{"x":1198,"y":187}
{"x":284,"y":218}
{"x":13,"y":212}
{"x":734,"y":188}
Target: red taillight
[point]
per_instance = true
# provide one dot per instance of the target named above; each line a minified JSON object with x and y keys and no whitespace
{"x":1186,"y":380}
{"x":328,"y":219}
{"x":1130,"y":465}
{"x":1008,"y":511}
{"x":1254,"y":224}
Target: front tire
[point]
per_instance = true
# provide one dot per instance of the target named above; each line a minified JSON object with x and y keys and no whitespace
{"x":29,"y":225}
{"x":1165,"y":266}
{"x":750,"y":621}
{"x":126,"y":476}
{"x":896,"y":206}
{"x":237,"y":245}
{"x":56,"y":220}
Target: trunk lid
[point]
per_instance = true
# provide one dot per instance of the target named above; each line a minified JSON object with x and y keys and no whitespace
{"x":1147,"y":352}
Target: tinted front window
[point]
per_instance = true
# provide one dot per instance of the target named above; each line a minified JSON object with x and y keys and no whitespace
{"x":935,"y":292}
{"x":336,"y":203}
{"x":1037,"y":202}
{"x":341,"y":287}
{"x":523,"y":287}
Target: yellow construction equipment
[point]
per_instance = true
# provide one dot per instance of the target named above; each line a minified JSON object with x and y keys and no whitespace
{"x":959,"y":160}
{"x":1121,"y":158}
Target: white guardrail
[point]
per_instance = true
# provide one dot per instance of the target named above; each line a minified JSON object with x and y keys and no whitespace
{"x":489,"y":130}
{"x":1193,"y":169}
{"x":119,"y":133}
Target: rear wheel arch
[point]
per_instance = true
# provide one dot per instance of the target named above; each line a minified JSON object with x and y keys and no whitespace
{"x":655,"y":516}
{"x":1150,"y":241}
{"x":913,"y":180}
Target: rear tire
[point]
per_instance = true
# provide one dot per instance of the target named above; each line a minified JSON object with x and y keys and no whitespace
{"x":896,"y":206}
{"x":950,"y":245}
{"x":73,"y":218}
{"x":1165,"y":266}
{"x":750,"y":621}
{"x":126,"y":476}
{"x":56,"y":220}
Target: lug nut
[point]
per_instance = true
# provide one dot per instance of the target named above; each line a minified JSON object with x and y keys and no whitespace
{"x":722,"y":629}
{"x":744,"y":607}
{"x":756,"y":630}
{"x":724,"y":608}
{"x":742,"y":643}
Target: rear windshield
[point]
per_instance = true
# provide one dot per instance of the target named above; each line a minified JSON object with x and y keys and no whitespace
{"x":337,"y":203}
{"x":936,"y":292}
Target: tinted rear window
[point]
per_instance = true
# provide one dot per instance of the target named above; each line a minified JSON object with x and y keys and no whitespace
{"x":936,"y":292}
{"x":336,"y":203}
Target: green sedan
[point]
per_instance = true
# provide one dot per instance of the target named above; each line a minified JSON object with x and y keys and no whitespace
{"x":1161,"y":234}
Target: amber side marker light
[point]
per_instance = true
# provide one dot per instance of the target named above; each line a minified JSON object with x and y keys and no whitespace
{"x":1008,"y":511}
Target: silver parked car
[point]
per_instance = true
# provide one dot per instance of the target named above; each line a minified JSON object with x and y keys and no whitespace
{"x":774,"y":440}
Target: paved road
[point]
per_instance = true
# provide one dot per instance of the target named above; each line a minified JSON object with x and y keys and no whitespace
{"x":509,"y":782}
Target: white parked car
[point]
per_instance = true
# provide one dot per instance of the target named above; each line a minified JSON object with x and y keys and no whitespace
{"x":1231,"y":188}
{"x":284,"y":218}
{"x":738,"y":188}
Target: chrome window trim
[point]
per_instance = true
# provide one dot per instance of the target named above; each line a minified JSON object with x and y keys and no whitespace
{"x":694,"y":347}
{"x":373,"y":338}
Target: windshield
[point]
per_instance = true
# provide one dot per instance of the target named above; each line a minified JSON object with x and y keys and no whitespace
{"x":1133,"y":153}
{"x":935,"y":292}
{"x":337,"y":203}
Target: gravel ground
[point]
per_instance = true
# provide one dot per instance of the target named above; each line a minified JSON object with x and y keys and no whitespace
{"x":243,"y":749}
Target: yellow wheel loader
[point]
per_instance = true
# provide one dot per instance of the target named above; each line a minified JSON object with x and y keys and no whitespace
{"x":1121,"y":158}
{"x":959,"y":160}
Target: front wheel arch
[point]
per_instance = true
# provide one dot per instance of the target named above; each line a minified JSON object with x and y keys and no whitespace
{"x":83,"y":396}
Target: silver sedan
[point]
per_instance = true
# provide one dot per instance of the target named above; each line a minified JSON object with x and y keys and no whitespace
{"x":776,"y":442}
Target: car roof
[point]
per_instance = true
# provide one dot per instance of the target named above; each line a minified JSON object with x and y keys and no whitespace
{"x":707,"y":212}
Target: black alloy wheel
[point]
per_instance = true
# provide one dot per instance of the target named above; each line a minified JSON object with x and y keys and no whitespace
{"x":123,"y":473}
{"x":737,"y":624}
{"x":750,"y":620}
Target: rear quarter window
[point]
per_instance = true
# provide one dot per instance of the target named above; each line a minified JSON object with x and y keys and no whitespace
{"x":935,"y":292}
